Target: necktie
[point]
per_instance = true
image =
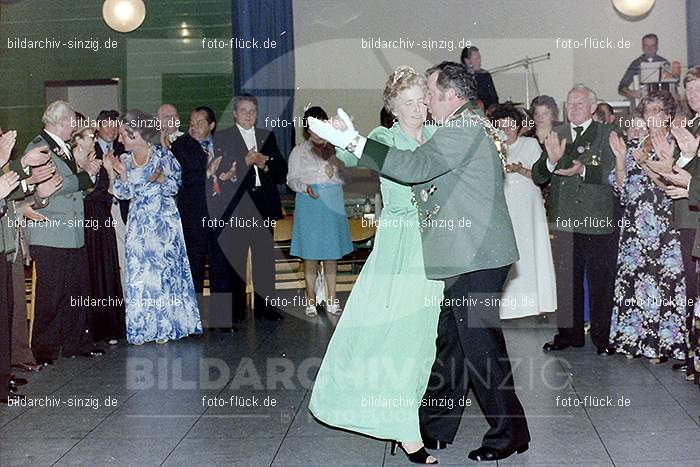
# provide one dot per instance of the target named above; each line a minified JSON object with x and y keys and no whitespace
{"x":579,"y":131}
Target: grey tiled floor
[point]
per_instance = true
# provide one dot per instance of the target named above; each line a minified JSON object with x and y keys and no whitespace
{"x":161,"y":413}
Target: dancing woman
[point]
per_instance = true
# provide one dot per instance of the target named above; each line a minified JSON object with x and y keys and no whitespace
{"x":378,"y":362}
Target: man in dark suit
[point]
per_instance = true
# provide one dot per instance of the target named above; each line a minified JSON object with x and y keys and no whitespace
{"x":576,"y":162}
{"x":686,"y":194}
{"x":247,"y":201}
{"x":17,"y":181}
{"x":106,"y":141}
{"x":485,"y":89}
{"x":195,"y":152}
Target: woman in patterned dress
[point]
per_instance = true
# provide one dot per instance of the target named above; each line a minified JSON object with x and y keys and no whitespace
{"x":160,"y":300}
{"x":648,"y":317}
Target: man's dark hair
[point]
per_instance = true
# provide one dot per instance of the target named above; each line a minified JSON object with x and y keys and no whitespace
{"x":107,"y":115}
{"x":211,"y":116}
{"x":455,"y":76}
{"x":245,"y":97}
{"x":651,"y":35}
{"x":467,"y":52}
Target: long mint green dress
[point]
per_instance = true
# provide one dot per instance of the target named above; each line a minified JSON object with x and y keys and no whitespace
{"x":378,"y":362}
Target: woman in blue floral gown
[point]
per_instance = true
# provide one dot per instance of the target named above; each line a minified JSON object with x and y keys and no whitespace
{"x":160,"y":299}
{"x":648,"y":317}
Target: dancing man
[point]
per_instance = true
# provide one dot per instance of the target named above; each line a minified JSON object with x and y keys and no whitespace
{"x":468,"y":242}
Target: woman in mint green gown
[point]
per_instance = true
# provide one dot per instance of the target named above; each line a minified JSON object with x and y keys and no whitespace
{"x":378,"y":362}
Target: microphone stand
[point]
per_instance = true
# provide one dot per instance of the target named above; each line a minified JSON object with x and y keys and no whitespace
{"x":526,"y":63}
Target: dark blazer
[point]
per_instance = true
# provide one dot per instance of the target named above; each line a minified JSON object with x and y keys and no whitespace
{"x":685,"y":216}
{"x":581,"y":204}
{"x":229,"y":143}
{"x":192,"y":197}
{"x":485,"y":89}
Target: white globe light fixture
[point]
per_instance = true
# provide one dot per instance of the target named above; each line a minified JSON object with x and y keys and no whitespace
{"x":633,"y":8}
{"x":124,"y":15}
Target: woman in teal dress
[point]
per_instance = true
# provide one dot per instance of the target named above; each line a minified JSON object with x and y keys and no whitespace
{"x":378,"y":362}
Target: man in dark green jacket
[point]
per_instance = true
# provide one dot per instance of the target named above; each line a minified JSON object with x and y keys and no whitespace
{"x":576,"y":162}
{"x":685,"y":211}
{"x":458,"y":181}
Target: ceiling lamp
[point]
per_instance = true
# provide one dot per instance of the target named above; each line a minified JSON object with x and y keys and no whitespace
{"x":633,"y":8}
{"x":124,"y":15}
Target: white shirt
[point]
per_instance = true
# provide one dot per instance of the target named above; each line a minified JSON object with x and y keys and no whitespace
{"x":306,"y":168}
{"x":62,"y":144}
{"x":104,"y":145}
{"x":250,"y":142}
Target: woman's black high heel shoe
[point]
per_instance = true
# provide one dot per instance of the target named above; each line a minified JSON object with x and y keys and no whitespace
{"x":419,"y":457}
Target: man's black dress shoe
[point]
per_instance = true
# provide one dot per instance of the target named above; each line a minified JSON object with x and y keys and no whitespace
{"x":606,"y":351}
{"x":273,"y":315}
{"x":44,"y":361}
{"x":18,"y":381}
{"x":94,"y":353}
{"x":485,"y":453}
{"x":680,"y":367}
{"x":434,"y":444}
{"x":233,"y":329}
{"x":556,"y":345}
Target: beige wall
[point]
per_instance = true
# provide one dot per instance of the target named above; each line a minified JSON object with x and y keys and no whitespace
{"x":333,"y":69}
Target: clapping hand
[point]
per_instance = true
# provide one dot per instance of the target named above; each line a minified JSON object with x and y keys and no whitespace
{"x":686,"y":141}
{"x":618,"y":146}
{"x":679,"y":177}
{"x":554,"y":147}
{"x":230,"y":174}
{"x":676,"y":192}
{"x":8,"y":182}
{"x":117,"y":165}
{"x":7,"y":142}
{"x":41,"y":173}
{"x":214,"y":166}
{"x":49,"y":187}
{"x":575,"y":169}
{"x":36,"y":156}
{"x":30,"y":213}
{"x":158,"y":176}
{"x":107,"y":160}
{"x":664,"y":151}
{"x":339,"y":131}
{"x":91,"y":165}
{"x":516,"y":167}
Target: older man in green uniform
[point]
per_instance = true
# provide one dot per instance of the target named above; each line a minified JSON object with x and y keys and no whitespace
{"x":576,"y":162}
{"x":468,"y":242}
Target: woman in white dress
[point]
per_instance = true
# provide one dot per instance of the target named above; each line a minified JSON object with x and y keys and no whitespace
{"x":530,"y":288}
